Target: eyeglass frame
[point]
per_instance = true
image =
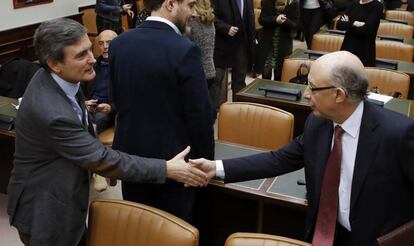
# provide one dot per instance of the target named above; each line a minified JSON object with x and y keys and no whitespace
{"x":312,"y":87}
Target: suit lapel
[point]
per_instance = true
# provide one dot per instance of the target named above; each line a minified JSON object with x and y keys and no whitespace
{"x":366,"y":150}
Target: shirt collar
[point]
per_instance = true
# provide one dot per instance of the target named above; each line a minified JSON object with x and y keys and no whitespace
{"x":70,"y":89}
{"x":353,"y":123}
{"x":160,"y":19}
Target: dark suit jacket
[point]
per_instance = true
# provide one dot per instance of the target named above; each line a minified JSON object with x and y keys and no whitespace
{"x":382,"y":195}
{"x":226,"y":15}
{"x":49,"y":185}
{"x":160,"y":92}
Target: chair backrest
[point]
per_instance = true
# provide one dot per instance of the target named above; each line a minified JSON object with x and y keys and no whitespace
{"x":388,"y":81}
{"x":89,"y":21}
{"x":255,"y":125}
{"x":290,"y":67}
{"x":327,"y":42}
{"x":139,"y":4}
{"x":395,"y":29}
{"x":124,"y":223}
{"x":400,"y":15}
{"x":257,"y":8}
{"x":394,"y":50}
{"x":259,"y":239}
{"x":107,"y":137}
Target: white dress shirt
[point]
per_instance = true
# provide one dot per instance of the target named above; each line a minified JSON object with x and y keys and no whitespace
{"x":70,"y":90}
{"x":160,"y":19}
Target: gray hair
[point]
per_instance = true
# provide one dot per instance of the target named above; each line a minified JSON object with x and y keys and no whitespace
{"x":353,"y":82}
{"x":51,"y":37}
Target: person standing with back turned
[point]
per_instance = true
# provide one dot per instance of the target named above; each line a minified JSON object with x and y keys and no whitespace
{"x":160,"y":92}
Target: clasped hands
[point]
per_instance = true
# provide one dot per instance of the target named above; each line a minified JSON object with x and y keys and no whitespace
{"x":195,"y":173}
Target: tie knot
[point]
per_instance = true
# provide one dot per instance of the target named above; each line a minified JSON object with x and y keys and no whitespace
{"x":338,"y":132}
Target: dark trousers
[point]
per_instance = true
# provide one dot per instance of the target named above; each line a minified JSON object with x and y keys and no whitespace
{"x":25,"y":238}
{"x":102,"y":120}
{"x":171,"y":197}
{"x":214,"y":90}
{"x":239,"y":69}
{"x":311,"y":20}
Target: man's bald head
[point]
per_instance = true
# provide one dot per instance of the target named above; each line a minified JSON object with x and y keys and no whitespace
{"x":104,"y":38}
{"x":345,"y":70}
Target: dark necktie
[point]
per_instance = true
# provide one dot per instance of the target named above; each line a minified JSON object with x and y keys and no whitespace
{"x":329,"y":200}
{"x":80,"y":98}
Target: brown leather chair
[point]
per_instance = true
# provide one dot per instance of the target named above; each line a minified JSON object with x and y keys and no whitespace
{"x":124,"y":223}
{"x":395,"y":29}
{"x":255,"y":125}
{"x":107,"y":137}
{"x":388,"y":81}
{"x":259,"y":239}
{"x":400,"y":15}
{"x":257,"y":8}
{"x":326,"y":42}
{"x":89,"y":21}
{"x":290,"y":67}
{"x":394,"y":50}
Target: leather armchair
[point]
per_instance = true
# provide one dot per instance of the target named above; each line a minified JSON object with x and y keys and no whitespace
{"x":123,"y":223}
{"x":258,"y":239}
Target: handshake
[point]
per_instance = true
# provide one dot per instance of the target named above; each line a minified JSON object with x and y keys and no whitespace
{"x":196,"y":173}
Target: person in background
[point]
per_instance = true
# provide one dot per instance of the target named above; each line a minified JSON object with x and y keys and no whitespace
{"x":235,"y":40}
{"x":141,"y":16}
{"x":162,"y":101}
{"x":108,"y":14}
{"x":361,"y":21}
{"x":55,"y":146}
{"x":279,"y":19}
{"x":358,"y":159}
{"x":97,"y":91}
{"x":312,"y":16}
{"x":202,"y":33}
{"x":99,"y":103}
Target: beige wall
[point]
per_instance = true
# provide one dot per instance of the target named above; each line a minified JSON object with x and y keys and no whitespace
{"x":11,"y":18}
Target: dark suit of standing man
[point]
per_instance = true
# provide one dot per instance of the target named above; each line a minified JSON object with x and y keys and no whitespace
{"x":376,"y":183}
{"x":234,"y":44}
{"x":48,"y":191}
{"x":161,"y":95}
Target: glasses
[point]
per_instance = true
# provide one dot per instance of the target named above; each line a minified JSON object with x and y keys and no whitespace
{"x":312,"y":87}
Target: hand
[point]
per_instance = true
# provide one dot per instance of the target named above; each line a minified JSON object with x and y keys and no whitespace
{"x":233,"y":30}
{"x":126,"y":7}
{"x":207,"y":166}
{"x":181,"y":171}
{"x":91,"y":105}
{"x":281,"y":18}
{"x":130,"y":13}
{"x":104,"y":108}
{"x":358,"y":23}
{"x":344,"y":18}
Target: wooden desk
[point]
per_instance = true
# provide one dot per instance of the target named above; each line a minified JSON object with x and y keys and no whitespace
{"x":301,"y":108}
{"x":274,"y":205}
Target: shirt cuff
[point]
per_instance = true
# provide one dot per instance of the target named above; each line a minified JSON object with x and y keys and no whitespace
{"x":220,"y":169}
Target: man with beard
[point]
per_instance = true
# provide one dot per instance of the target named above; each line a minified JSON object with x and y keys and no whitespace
{"x":162,"y":100}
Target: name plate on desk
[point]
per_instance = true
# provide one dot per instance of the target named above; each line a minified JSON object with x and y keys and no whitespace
{"x":282,"y":93}
{"x":7,"y":113}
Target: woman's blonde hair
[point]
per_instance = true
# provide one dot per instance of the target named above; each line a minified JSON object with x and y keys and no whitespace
{"x":280,"y":5}
{"x":205,"y":11}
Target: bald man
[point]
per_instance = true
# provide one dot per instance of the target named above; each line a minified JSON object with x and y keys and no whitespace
{"x":372,"y":149}
{"x":99,"y":96}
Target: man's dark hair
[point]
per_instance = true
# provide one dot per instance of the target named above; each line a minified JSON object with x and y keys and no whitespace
{"x":152,"y":5}
{"x":354,"y":83}
{"x":51,"y":37}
